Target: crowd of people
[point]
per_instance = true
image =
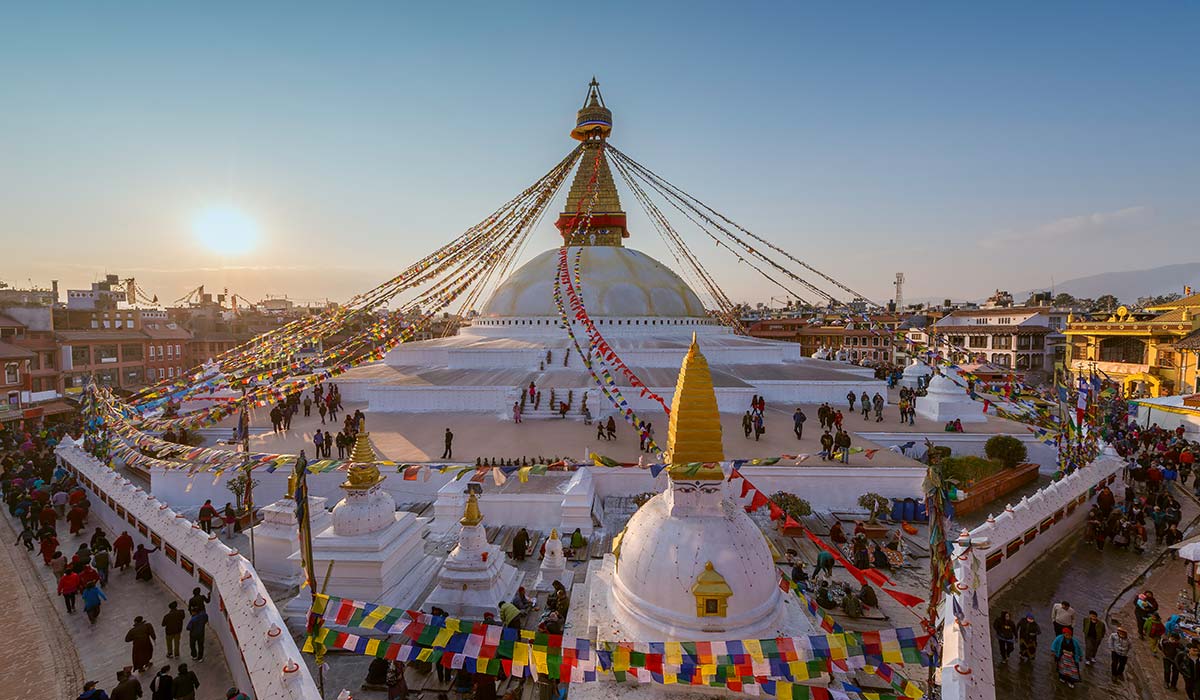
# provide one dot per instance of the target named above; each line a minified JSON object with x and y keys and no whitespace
{"x":1147,"y":514}
{"x":40,"y":496}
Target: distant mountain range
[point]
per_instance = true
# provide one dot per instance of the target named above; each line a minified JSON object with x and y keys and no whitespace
{"x":1129,"y":285}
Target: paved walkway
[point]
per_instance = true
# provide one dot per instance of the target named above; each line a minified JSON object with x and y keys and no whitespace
{"x":1089,"y":580}
{"x":101,"y":649}
{"x":37,"y":659}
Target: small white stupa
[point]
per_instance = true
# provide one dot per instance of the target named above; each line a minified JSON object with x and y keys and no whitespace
{"x":915,"y":374}
{"x":946,"y":401}
{"x":554,"y":566}
{"x":474,"y":579}
{"x":275,"y":538}
{"x":377,"y":554}
{"x":690,"y":564}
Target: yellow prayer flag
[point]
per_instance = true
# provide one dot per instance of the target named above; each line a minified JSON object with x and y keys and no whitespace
{"x":753,"y":648}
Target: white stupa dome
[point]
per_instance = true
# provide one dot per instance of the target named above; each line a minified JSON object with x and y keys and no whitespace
{"x":663,"y":552}
{"x":617,"y":283}
{"x":942,"y":386}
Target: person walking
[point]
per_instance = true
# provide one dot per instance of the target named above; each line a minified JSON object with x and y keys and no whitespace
{"x":321,"y":411}
{"x":128,"y":687}
{"x":850,"y":399}
{"x":1188,"y":664}
{"x":826,"y":446}
{"x":865,"y":405}
{"x":1067,"y":653}
{"x":516,"y":412}
{"x":185,"y":683}
{"x":397,"y":686}
{"x":798,"y":419}
{"x":842,"y":442}
{"x":611,"y":428}
{"x":195,"y":628}
{"x":172,"y":624}
{"x":123,"y":546}
{"x":205,"y":518}
{"x":141,"y":563}
{"x":1171,"y":648}
{"x":141,"y":636}
{"x":759,"y":428}
{"x":1027,"y":637}
{"x":92,"y":598}
{"x":162,"y":686}
{"x":1094,"y":632}
{"x":448,"y":453}
{"x":68,"y":587}
{"x":1062,"y":616}
{"x":1006,"y":634}
{"x":747,"y":424}
{"x":1120,"y":645}
{"x":91,"y":692}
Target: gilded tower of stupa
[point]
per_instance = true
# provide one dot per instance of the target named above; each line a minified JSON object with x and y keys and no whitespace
{"x":593,"y":124}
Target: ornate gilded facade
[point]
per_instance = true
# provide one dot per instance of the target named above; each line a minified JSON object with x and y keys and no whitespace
{"x":1138,"y":348}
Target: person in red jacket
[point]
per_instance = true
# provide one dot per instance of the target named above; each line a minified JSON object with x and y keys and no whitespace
{"x":76,"y":518}
{"x":68,"y":586}
{"x":49,"y":545}
{"x":207,"y":513}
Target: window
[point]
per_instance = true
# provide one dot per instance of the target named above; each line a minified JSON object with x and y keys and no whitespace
{"x":131,"y":352}
{"x":1036,"y":361}
{"x":12,"y":373}
{"x":160,"y":352}
{"x":1022,"y":342}
{"x":178,"y":353}
{"x":1002,"y":342}
{"x":81,"y":355}
{"x":978,"y":341}
{"x":1037,"y":342}
{"x":106,"y":353}
{"x":170,"y":373}
{"x":170,"y":351}
{"x":162,"y":373}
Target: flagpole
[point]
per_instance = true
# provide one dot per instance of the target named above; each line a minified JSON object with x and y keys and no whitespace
{"x":249,"y":500}
{"x":304,"y":523}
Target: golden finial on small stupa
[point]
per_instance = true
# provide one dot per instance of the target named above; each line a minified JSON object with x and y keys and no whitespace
{"x":362,"y":474}
{"x":554,"y":530}
{"x":362,"y":452}
{"x":694,"y":433}
{"x":471,"y":515}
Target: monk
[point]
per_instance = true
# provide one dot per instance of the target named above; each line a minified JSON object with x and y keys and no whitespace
{"x":76,"y":518}
{"x":836,"y":535}
{"x":123,"y":546}
{"x":142,"y":636}
{"x":520,"y":544}
{"x":141,"y":563}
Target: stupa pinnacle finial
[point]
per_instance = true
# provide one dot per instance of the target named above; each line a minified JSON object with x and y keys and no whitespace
{"x":694,"y":434}
{"x":362,"y":452}
{"x":594,"y":120}
{"x":471,"y":515}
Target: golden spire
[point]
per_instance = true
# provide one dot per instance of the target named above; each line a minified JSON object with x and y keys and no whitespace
{"x":362,"y":452}
{"x":362,"y":474}
{"x":694,"y":434}
{"x":471,"y":515}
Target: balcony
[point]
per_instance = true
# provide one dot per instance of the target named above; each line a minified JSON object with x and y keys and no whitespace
{"x":1110,"y":368}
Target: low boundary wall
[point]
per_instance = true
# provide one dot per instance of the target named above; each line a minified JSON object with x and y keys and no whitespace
{"x":262,"y":656}
{"x":993,"y":554}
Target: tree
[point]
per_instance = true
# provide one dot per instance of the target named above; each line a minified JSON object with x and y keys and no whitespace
{"x":1146,"y":302}
{"x":792,"y":504}
{"x":1006,"y":449}
{"x":1064,"y":300}
{"x":1107,"y":302}
{"x":874,"y":504}
{"x":968,"y":469}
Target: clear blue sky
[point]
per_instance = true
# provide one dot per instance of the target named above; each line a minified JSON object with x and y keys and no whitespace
{"x":969,"y":147}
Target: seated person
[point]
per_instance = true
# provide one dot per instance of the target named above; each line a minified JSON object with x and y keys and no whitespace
{"x":836,"y":534}
{"x":825,"y":597}
{"x":868,"y":597}
{"x":879,"y":558}
{"x":852,"y":606}
{"x":521,"y":600}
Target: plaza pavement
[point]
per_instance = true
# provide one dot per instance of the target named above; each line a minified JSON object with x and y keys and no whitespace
{"x":30,"y":591}
{"x":418,"y":437}
{"x":1090,"y":580}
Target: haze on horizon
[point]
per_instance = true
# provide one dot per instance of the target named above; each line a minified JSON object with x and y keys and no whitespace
{"x":971,"y":148}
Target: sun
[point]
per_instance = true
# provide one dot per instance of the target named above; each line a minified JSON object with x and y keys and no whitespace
{"x":225,"y":230}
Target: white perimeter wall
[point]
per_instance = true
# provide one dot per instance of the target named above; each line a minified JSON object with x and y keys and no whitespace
{"x":993,"y":554}
{"x":258,"y":649}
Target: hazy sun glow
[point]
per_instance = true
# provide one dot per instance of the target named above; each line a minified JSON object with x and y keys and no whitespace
{"x":225,"y":230}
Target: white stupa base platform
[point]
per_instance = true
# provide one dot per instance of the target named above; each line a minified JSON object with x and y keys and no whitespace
{"x":276,"y":539}
{"x":944,"y":411}
{"x":547,"y":577}
{"x":474,"y":579}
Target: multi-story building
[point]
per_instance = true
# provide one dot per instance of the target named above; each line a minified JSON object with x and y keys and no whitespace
{"x":1138,"y":347}
{"x":31,"y":327}
{"x":857,"y":341}
{"x":14,"y":378}
{"x":116,"y":358}
{"x":102,"y":295}
{"x":1017,"y":337}
{"x":168,"y":350}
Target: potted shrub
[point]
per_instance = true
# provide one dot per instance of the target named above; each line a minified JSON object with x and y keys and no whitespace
{"x":237,"y":486}
{"x":874,"y":504}
{"x":1006,"y":449}
{"x":793,"y":506}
